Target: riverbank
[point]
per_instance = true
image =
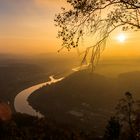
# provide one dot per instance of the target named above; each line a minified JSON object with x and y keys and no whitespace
{"x":17,"y":74}
{"x":84,"y":100}
{"x":21,"y":104}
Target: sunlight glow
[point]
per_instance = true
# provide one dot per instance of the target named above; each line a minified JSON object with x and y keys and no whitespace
{"x":121,"y":38}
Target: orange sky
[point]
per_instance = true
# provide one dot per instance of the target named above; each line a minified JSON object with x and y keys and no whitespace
{"x":27,"y":26}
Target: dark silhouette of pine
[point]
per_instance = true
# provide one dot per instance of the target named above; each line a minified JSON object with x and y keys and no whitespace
{"x":113,"y":129}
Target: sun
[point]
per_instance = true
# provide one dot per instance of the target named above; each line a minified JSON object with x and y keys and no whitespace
{"x":121,"y":38}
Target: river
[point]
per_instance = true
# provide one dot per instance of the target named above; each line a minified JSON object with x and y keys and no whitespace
{"x":21,"y":100}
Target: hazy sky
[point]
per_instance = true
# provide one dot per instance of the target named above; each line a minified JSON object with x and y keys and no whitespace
{"x":27,"y":26}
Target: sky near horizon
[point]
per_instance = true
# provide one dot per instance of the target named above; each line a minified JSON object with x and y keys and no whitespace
{"x":27,"y":26}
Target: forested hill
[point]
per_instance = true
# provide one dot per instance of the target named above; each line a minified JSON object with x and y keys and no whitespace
{"x":83,"y":99}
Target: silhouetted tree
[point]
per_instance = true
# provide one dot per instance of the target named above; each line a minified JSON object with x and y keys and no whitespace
{"x":126,"y":112}
{"x":113,"y":129}
{"x":98,"y":18}
{"x":137,"y":126}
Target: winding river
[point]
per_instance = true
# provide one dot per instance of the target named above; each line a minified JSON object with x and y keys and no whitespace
{"x":21,"y":100}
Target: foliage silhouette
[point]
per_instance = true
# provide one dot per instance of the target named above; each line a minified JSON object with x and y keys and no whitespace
{"x":126,"y":122}
{"x":113,"y":129}
{"x":98,"y":18}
